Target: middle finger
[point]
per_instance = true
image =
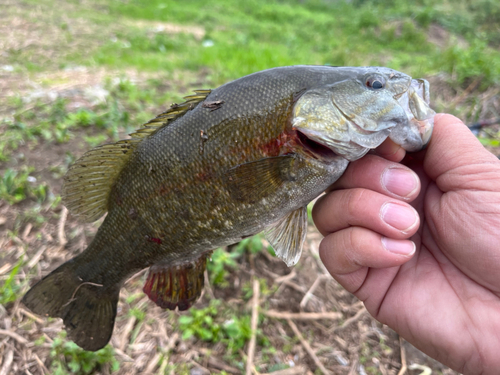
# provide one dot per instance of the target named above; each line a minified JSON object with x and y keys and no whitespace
{"x":365,"y":208}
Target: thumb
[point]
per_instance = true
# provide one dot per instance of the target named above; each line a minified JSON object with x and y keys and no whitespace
{"x":456,"y":160}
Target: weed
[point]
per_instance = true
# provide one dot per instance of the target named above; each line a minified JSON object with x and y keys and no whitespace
{"x":16,"y":186}
{"x":221,"y":262}
{"x":475,"y":62}
{"x":247,"y":289}
{"x":252,"y":245}
{"x":10,"y":288}
{"x":490,"y":142}
{"x":69,"y":358}
{"x":208,"y":324}
{"x":96,"y":140}
{"x":83,"y":117}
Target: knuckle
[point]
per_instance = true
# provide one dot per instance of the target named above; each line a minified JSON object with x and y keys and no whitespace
{"x":354,"y":203}
{"x":353,"y":245}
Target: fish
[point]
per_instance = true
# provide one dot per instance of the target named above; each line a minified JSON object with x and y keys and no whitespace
{"x":226,"y":164}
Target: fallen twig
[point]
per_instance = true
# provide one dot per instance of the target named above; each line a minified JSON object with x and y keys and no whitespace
{"x":253,"y":326}
{"x":31,"y":316}
{"x":13,"y":335}
{"x":282,"y":279}
{"x":171,"y":343}
{"x":152,"y":364}
{"x":213,"y":362}
{"x":296,"y":370}
{"x":403,"y":357}
{"x":302,"y":315}
{"x":354,"y":366}
{"x":311,"y":290}
{"x":6,"y":268}
{"x":126,"y":357}
{"x":425,"y":369}
{"x":307,"y":347}
{"x":34,"y":261}
{"x":208,"y":287}
{"x":26,"y":231}
{"x":61,"y":236}
{"x":204,"y":370}
{"x":41,"y":365}
{"x":351,"y":320}
{"x":126,"y":331}
{"x":380,"y":365}
{"x":7,"y":363}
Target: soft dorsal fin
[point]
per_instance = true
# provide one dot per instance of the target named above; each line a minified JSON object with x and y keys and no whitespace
{"x":88,"y":182}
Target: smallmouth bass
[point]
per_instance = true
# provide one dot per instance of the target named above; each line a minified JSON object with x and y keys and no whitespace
{"x":224,"y":165}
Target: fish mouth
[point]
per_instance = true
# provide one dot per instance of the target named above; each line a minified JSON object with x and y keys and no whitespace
{"x":314,"y":148}
{"x":352,"y":146}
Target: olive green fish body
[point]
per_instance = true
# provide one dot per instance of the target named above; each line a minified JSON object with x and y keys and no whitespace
{"x":226,"y":164}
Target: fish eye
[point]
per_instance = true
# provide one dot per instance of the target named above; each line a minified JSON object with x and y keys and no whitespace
{"x":375,"y":83}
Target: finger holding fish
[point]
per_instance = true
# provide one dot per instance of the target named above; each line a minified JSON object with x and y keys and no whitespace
{"x":365,"y":208}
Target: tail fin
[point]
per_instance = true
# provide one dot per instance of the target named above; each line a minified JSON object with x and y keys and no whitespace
{"x":87,"y":309}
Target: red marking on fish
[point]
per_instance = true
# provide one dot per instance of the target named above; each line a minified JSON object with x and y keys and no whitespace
{"x":204,"y":176}
{"x":156,"y":240}
{"x":280,"y":145}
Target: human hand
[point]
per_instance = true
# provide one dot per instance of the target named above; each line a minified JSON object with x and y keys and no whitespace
{"x":434,"y":280}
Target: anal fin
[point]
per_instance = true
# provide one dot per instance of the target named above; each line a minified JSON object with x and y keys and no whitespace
{"x":171,"y":286}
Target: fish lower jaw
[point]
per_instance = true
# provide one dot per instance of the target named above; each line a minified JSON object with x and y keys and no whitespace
{"x":353,"y":127}
{"x":316,"y":149}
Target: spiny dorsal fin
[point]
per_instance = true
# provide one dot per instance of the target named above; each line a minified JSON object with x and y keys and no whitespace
{"x":174,"y":112}
{"x":88,"y":182}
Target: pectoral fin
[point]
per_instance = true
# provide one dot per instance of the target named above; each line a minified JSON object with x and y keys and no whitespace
{"x":287,"y":236}
{"x":250,"y":182}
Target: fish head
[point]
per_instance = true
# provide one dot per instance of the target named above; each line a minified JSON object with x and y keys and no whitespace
{"x":362,"y":108}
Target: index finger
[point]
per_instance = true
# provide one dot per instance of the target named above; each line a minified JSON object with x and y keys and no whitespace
{"x":386,"y":177}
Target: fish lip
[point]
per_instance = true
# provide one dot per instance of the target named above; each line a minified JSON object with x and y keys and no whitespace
{"x":416,"y":106}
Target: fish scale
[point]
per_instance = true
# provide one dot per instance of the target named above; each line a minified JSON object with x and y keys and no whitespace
{"x":224,"y":165}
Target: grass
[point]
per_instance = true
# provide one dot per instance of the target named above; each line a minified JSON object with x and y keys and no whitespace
{"x":216,"y":325}
{"x":9,"y":289}
{"x":243,"y":37}
{"x":68,"y":358}
{"x":17,"y":185}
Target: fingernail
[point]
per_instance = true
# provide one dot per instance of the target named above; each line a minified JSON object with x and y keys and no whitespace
{"x":401,"y":247}
{"x":400,"y":181}
{"x":398,"y":216}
